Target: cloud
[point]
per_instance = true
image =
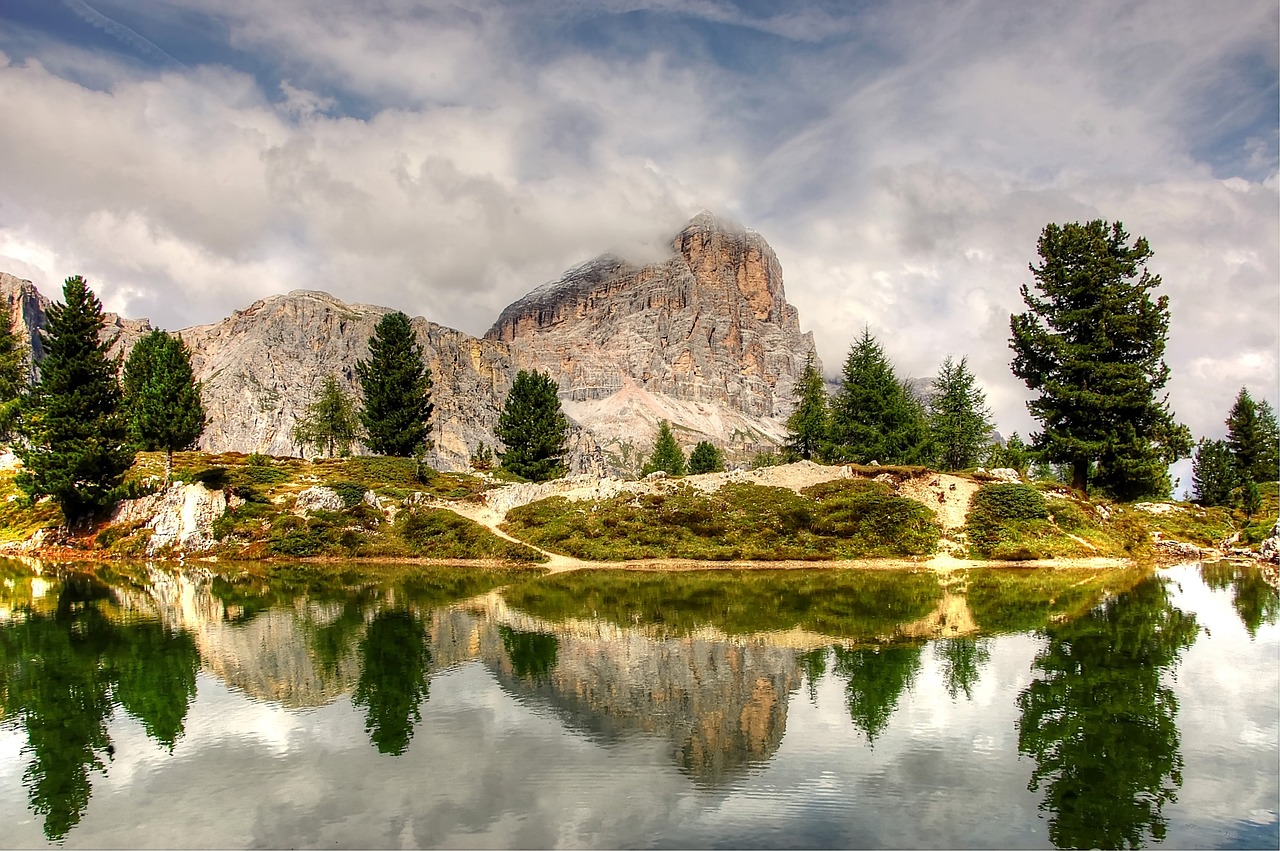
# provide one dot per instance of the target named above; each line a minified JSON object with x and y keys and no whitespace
{"x":446,"y":158}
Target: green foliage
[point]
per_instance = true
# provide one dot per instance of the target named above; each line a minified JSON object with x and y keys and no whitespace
{"x":76,"y":449}
{"x":1253,"y":440}
{"x":161,"y":398}
{"x":329,"y":423}
{"x":706,"y":458}
{"x":397,"y":389}
{"x":13,"y":376}
{"x":1213,"y":473}
{"x":394,"y":659}
{"x":807,"y":425}
{"x":958,"y":417}
{"x":351,"y":493}
{"x":1250,"y":498}
{"x":962,"y":661}
{"x":438,"y":533}
{"x":1091,"y":344}
{"x":532,"y":428}
{"x":844,"y":604}
{"x":765,"y":458}
{"x":482,"y":458}
{"x":875,"y":417}
{"x":1099,"y":720}
{"x":847,"y":519}
{"x":1008,"y":599}
{"x":667,"y":455}
{"x":1014,"y":455}
{"x":1014,"y":522}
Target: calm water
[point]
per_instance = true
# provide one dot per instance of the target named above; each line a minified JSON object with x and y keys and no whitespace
{"x":397,"y":707}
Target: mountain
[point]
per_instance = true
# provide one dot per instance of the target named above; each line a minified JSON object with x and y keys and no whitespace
{"x":704,"y":339}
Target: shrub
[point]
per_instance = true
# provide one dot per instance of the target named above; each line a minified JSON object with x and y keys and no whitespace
{"x":351,"y":493}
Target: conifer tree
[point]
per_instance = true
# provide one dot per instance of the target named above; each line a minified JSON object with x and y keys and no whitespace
{"x":397,"y":389}
{"x":1253,"y":439}
{"x":162,"y":403}
{"x":807,"y":425}
{"x":329,"y":423}
{"x":14,"y":381}
{"x":959,"y":419}
{"x":1015,"y":454}
{"x":667,"y":455}
{"x":875,"y":417}
{"x":1091,"y":344}
{"x":1213,"y":475}
{"x":533,"y":428}
{"x":705,"y":458}
{"x":76,"y":446}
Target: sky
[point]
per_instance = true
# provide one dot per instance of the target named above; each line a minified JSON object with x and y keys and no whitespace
{"x":191,"y":156}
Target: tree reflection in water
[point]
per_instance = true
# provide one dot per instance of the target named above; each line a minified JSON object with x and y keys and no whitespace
{"x":1254,"y":600}
{"x":394,"y":658}
{"x":532,"y":654}
{"x":876,"y":677}
{"x":61,"y":676}
{"x":1101,"y":726}
{"x":962,"y":660}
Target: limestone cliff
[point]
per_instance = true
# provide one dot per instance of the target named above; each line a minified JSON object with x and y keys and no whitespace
{"x":705,"y":339}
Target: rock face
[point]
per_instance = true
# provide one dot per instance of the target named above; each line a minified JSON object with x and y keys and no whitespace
{"x":705,"y":340}
{"x":180,"y":517}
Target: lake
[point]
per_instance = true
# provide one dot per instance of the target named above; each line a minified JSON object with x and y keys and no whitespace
{"x":395,"y":706}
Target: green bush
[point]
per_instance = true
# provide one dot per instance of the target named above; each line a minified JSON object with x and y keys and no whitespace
{"x":1010,"y":502}
{"x":849,"y":519}
{"x":438,"y":533}
{"x":351,"y":493}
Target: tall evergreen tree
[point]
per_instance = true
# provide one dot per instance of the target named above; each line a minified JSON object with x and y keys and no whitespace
{"x":1213,"y":474}
{"x":330,"y":422}
{"x":76,"y":448}
{"x":533,"y":428}
{"x":667,"y":455}
{"x":705,"y":458}
{"x":807,"y":425}
{"x":397,"y":389}
{"x":875,"y":416}
{"x":161,"y":397}
{"x":1252,"y":438}
{"x":1091,"y":344}
{"x":14,"y":381}
{"x":959,"y":419}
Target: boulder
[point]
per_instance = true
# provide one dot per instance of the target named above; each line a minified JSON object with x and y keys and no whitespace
{"x":180,"y":518}
{"x":318,"y":498}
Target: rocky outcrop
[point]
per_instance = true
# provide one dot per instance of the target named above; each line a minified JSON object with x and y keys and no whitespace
{"x":180,"y":518}
{"x":705,"y":340}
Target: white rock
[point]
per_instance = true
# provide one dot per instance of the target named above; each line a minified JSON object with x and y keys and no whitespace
{"x":180,"y":517}
{"x":318,"y":498}
{"x":1005,"y":474}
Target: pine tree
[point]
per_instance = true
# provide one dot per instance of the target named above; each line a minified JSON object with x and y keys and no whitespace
{"x":807,"y":425}
{"x":1091,"y":344}
{"x":875,"y":417}
{"x":1253,"y":439}
{"x":667,"y":455}
{"x":76,"y":447}
{"x":958,"y":416}
{"x":14,"y":381}
{"x":329,"y":423}
{"x":161,"y":397}
{"x":705,"y":458}
{"x":397,"y":389}
{"x":1268,"y":467}
{"x":1213,"y":474}
{"x":533,"y":428}
{"x":1015,"y":454}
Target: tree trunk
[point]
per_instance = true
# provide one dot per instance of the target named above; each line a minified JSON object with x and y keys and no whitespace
{"x":1080,"y":475}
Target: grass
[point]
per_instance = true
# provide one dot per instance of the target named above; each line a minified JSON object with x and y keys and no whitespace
{"x":846,"y":519}
{"x":1016,"y":522}
{"x":845,"y":604}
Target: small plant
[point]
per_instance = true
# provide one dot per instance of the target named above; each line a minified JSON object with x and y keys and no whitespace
{"x":482,"y":460}
{"x":766,"y":458}
{"x":706,"y":458}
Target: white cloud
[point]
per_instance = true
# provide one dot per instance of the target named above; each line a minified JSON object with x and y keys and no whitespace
{"x":444,"y":159}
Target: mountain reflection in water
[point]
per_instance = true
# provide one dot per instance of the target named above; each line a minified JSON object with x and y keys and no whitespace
{"x":707,"y":663}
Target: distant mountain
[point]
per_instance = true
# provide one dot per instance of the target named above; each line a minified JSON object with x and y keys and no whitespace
{"x":705,"y":339}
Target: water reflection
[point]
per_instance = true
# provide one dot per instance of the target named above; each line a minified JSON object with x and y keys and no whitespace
{"x":1100,"y":723}
{"x":703,"y":665}
{"x":1255,"y":601}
